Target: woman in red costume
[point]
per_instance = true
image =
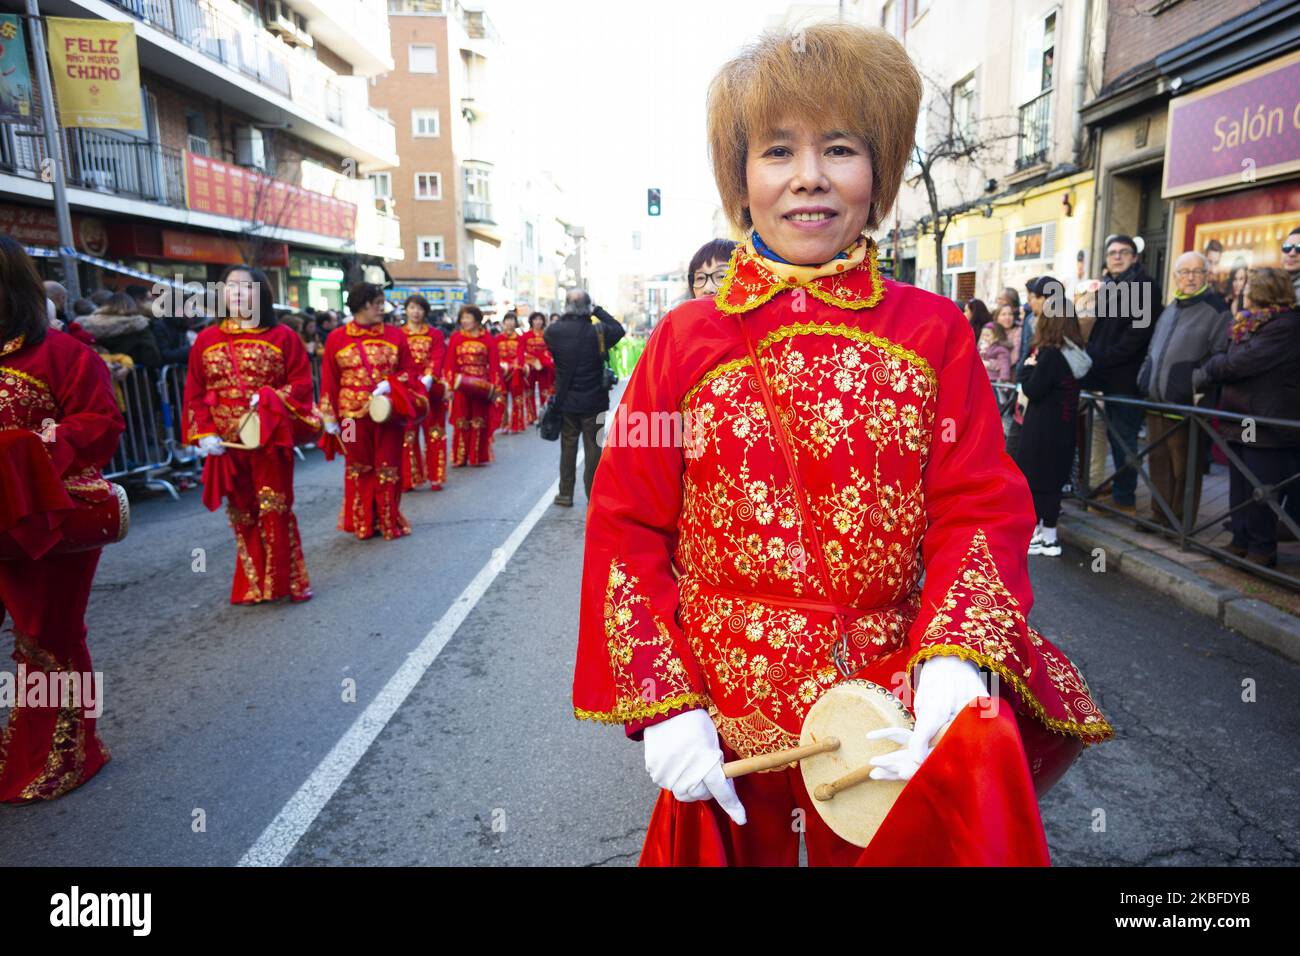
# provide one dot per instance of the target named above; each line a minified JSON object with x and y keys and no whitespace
{"x":59,"y":424}
{"x":364,"y":359}
{"x":539,"y":367}
{"x":248,"y":362}
{"x":840,"y":436}
{"x":510,"y":354}
{"x":471,"y":353}
{"x":429,"y":350}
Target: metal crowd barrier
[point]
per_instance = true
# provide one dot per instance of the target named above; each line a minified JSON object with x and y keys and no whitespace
{"x":1201,"y":526}
{"x":143,"y":455}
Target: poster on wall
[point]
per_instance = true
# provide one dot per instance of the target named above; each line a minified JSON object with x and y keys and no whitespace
{"x":15,"y":78}
{"x":96,"y":73}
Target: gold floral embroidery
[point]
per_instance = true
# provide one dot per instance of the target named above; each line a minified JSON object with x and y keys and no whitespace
{"x":272,"y":501}
{"x":752,"y":280}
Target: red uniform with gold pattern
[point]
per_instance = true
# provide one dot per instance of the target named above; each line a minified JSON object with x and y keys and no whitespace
{"x":472,"y":353}
{"x":510,"y":354}
{"x":59,"y":389}
{"x":372,"y":482}
{"x":898,"y":447}
{"x":539,"y":383}
{"x":428,"y":350}
{"x":229,"y":364}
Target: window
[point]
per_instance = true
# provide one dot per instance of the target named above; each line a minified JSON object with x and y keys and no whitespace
{"x":382,"y":183}
{"x":1040,"y":57}
{"x":890,"y":17}
{"x":428,"y":248}
{"x":963,"y":106}
{"x":428,"y":185}
{"x":424,"y":123}
{"x":528,"y":235}
{"x":421,"y":58}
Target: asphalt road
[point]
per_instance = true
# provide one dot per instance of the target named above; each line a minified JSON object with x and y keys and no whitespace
{"x":220,"y":714}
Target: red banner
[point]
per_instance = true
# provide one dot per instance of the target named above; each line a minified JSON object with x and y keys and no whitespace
{"x":227,"y":190}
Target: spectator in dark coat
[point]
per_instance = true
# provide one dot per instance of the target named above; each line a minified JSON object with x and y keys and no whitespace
{"x":1259,"y":370}
{"x":171,"y":332}
{"x":120,"y":329}
{"x":1050,"y":381}
{"x":1127,"y":304}
{"x":1186,"y":333}
{"x":579,"y":384}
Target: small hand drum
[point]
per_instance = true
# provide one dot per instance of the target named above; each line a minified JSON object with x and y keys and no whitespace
{"x":834,"y":756}
{"x":381,"y":409}
{"x":250,"y":432}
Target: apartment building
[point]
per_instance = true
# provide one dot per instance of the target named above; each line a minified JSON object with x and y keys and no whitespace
{"x":257,"y":136}
{"x":1012,"y":74}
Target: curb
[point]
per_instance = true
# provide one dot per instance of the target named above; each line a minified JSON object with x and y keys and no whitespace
{"x":1254,"y":619}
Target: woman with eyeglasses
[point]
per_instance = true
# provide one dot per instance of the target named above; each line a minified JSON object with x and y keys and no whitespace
{"x":709,"y":267}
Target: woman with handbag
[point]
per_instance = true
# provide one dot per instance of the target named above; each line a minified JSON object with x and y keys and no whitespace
{"x":475,"y":374}
{"x":59,"y":424}
{"x":839,"y":436}
{"x":429,"y":350}
{"x":371,"y":393}
{"x":248,"y":401}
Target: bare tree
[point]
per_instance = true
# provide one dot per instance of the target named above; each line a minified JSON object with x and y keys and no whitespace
{"x":269,"y":217}
{"x":951,"y":143}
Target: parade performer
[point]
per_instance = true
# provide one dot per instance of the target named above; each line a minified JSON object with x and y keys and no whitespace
{"x":429,"y":350}
{"x":510,"y":355}
{"x":59,"y":424}
{"x":539,"y":367}
{"x":249,"y":363}
{"x":840,"y":437}
{"x":475,"y":377}
{"x":364,"y":360}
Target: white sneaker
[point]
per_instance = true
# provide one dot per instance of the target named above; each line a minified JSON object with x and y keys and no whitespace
{"x":1039,"y":546}
{"x":1035,"y":542}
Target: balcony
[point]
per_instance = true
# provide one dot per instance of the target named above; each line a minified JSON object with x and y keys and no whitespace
{"x":288,"y":86}
{"x":1035,"y":137}
{"x":105,"y":162}
{"x":356,"y":30}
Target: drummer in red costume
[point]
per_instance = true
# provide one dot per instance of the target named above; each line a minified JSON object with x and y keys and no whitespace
{"x":363,"y":359}
{"x":510,"y":354}
{"x":59,"y":424}
{"x":539,"y":367}
{"x":840,"y":437}
{"x":472,"y":369}
{"x":429,"y":350}
{"x":248,"y":363}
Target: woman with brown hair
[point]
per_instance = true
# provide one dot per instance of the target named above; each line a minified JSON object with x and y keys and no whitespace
{"x":1050,"y":381}
{"x":843,"y":437}
{"x":58,"y":427}
{"x":1259,"y":368}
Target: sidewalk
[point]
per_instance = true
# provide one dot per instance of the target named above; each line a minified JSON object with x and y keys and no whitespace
{"x":1259,"y":610}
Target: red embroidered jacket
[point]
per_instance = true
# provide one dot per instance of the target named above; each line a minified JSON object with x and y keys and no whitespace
{"x":347,"y":382}
{"x":473,"y":355}
{"x":897,"y":440}
{"x":61,"y":390}
{"x":533,"y":346}
{"x":510,"y":353}
{"x":428,"y":348}
{"x":228,"y":363}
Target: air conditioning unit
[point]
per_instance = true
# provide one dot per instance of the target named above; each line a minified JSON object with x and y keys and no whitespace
{"x":386,"y":205}
{"x":250,"y":149}
{"x":289,"y":25}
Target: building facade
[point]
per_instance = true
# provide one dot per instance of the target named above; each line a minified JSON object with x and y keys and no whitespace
{"x":258,"y":133}
{"x":1198,"y":132}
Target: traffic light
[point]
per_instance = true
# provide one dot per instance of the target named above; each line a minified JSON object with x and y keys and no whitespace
{"x":652,"y":202}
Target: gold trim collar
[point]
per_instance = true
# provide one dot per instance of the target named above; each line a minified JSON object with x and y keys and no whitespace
{"x":852,"y":283}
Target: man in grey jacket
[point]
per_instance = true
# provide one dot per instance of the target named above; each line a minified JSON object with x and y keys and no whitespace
{"x":1186,"y":332}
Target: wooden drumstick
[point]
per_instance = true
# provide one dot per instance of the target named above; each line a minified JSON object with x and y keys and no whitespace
{"x":738,"y":768}
{"x":828,"y":790}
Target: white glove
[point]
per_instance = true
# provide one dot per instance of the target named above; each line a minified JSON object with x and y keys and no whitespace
{"x":331,"y":428}
{"x":682,"y":755}
{"x":211,"y":445}
{"x":426,"y":381}
{"x":254,"y":399}
{"x":383,"y":388}
{"x":946,"y":685}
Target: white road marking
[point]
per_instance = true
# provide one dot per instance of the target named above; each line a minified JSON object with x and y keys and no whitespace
{"x":277,"y":841}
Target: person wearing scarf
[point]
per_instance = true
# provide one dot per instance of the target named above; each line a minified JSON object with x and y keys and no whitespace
{"x":735,"y":572}
{"x":1185,"y":334}
{"x":1257,"y":363}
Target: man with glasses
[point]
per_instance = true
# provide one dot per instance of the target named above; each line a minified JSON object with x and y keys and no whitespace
{"x":1126,"y":304}
{"x":1291,"y":258}
{"x":1187,"y":331}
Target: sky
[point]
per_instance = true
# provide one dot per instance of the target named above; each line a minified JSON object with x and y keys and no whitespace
{"x":609,"y":95}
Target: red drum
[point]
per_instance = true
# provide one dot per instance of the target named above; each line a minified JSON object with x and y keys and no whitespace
{"x":474,"y":387}
{"x":92,"y":524}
